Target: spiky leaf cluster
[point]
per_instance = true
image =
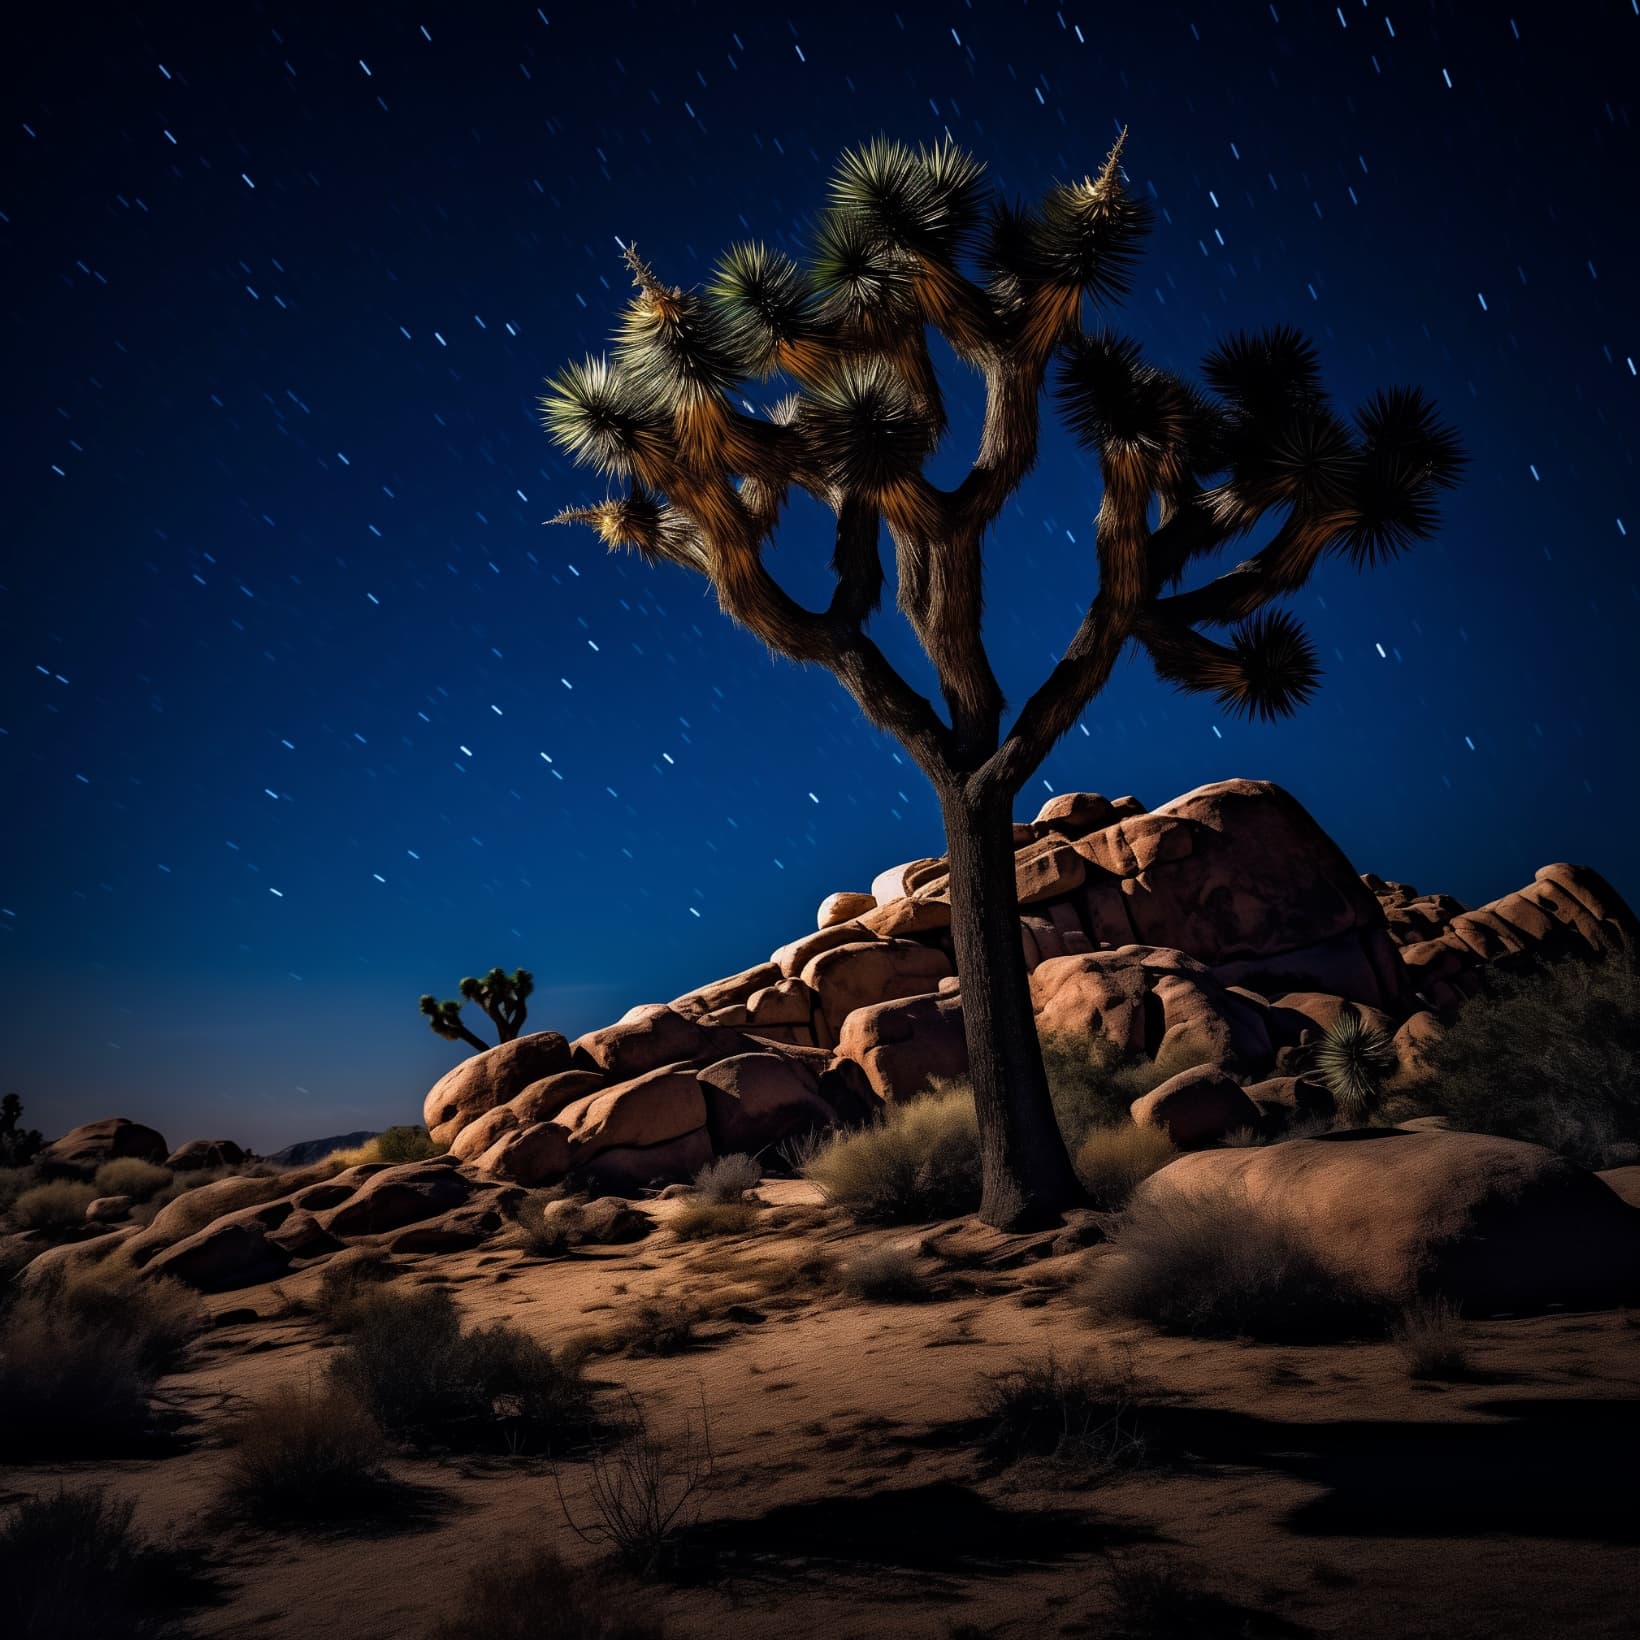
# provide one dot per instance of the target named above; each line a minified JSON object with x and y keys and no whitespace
{"x":1127,"y":410}
{"x":444,"y":1018}
{"x":1408,"y":455}
{"x":1268,"y":669}
{"x":1354,"y":1058}
{"x":676,"y":350}
{"x":928,"y":201}
{"x":1088,"y":233}
{"x":591,"y":411}
{"x":864,"y":428}
{"x":766,"y":303}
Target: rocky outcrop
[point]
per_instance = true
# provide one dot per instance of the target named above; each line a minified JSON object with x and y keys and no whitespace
{"x":489,"y":1079}
{"x":1221,"y":935}
{"x":82,"y":1150}
{"x":1494,"y":1224}
{"x":201,"y":1155}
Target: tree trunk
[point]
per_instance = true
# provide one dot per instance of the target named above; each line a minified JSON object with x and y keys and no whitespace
{"x":1028,"y":1177}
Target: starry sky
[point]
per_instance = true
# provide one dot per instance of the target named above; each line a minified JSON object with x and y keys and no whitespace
{"x":304,"y":713}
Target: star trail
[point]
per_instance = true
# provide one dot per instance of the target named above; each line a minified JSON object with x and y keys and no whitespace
{"x":305,"y":712}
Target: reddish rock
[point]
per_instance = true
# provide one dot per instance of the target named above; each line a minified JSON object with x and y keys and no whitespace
{"x":722,"y":993}
{"x":649,"y":1110}
{"x":398,"y":1196}
{"x":641,"y":1040}
{"x":84,"y":1149}
{"x":630,"y":1170}
{"x":859,"y":975}
{"x":901,"y":1046}
{"x":843,"y":907}
{"x":233,"y":1252}
{"x":755,"y":1100}
{"x":201,"y":1155}
{"x":489,"y":1079}
{"x":1073,"y":814}
{"x":1196,"y":1107}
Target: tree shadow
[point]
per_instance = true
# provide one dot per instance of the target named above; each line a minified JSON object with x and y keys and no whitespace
{"x":935,"y":1532}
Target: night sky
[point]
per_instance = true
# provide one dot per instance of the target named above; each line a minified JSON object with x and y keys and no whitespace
{"x":304,"y":713}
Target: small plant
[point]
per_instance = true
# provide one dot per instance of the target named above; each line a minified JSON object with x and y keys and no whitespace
{"x":54,"y":1207}
{"x":503,"y":996}
{"x":131,"y":1176}
{"x":1551,"y":1056}
{"x":306,"y":1452}
{"x":659,"y":1327}
{"x":541,"y":1235}
{"x":411,"y":1362}
{"x":1153,"y":1597}
{"x":1217,"y":1266}
{"x":1354,"y":1059}
{"x":727,"y":1179}
{"x":349,"y":1281}
{"x":18,"y":1145}
{"x":161,"y":1316}
{"x":534,"y":1595}
{"x":921,"y":1162}
{"x":1112,"y":1162}
{"x":72,"y":1565}
{"x":699,"y":1220}
{"x":885,"y":1275}
{"x":404,"y":1144}
{"x":1093,"y":1084}
{"x":1429,"y":1334}
{"x":1077,"y":1417}
{"x":644,"y":1489}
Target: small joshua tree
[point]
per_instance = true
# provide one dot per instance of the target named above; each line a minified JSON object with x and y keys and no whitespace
{"x":503,"y":996}
{"x":910,"y":242}
{"x":18,"y":1145}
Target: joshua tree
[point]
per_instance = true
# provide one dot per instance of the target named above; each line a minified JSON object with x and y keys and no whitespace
{"x":910,"y":241}
{"x":18,"y":1145}
{"x":504,"y":997}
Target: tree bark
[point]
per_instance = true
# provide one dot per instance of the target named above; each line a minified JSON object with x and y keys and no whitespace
{"x":1028,"y":1178}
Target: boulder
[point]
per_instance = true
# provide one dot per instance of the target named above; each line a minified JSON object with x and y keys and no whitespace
{"x":1416,"y":1036}
{"x":609,"y":1222}
{"x":483,"y":1131}
{"x":84,"y":1149}
{"x":1322,"y":1011}
{"x":899,"y":881}
{"x":1048,"y":870}
{"x":198,"y":1155}
{"x":1494,"y":1224}
{"x":1624,"y":1180}
{"x":108,"y":1210}
{"x":755,"y":1100}
{"x":1074,"y":814}
{"x":536,"y":1154}
{"x":630,"y":1170}
{"x":489,"y":1079}
{"x":468,"y":1226}
{"x":398,"y":1196}
{"x":908,"y":917}
{"x":842,"y":908}
{"x":649,"y":1110}
{"x":901,"y":1045}
{"x":861,"y":974}
{"x":791,"y":959}
{"x":301,"y":1235}
{"x":1197,"y":1107}
{"x":643,"y":1039}
{"x":721,"y":993}
{"x":233,"y":1252}
{"x":187,"y":1212}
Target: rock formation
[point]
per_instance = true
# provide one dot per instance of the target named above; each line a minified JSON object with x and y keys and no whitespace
{"x":1217,"y":934}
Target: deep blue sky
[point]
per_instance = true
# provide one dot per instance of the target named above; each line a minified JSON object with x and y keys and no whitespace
{"x":287,"y":650}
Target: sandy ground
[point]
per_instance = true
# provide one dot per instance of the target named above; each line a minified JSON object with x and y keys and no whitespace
{"x":1318,"y":1486}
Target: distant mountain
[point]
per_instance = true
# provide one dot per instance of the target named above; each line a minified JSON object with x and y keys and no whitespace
{"x":313,"y":1150}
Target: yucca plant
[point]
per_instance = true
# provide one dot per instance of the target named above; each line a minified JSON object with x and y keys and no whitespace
{"x":1354,"y":1057}
{"x":910,"y":242}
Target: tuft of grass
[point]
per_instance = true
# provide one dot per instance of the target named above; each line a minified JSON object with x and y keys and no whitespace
{"x":54,"y":1207}
{"x":532,"y":1594}
{"x":79,"y":1356}
{"x":1429,"y":1333}
{"x":306,"y":1452}
{"x":539,"y":1235}
{"x":1112,"y":1162}
{"x":726,"y":1179}
{"x":1551,"y":1056}
{"x":394,"y":1145}
{"x":1217,"y":1267}
{"x":13,"y":1182}
{"x":1153,"y":1597}
{"x":131,"y":1176}
{"x":1080,"y":1417}
{"x":72,"y":1565}
{"x":885,"y":1275}
{"x":410,"y":1361}
{"x":699,"y":1220}
{"x":1354,"y":1059}
{"x":921,"y":1162}
{"x":348,"y":1282}
{"x":1092,"y":1084}
{"x":658,"y":1327}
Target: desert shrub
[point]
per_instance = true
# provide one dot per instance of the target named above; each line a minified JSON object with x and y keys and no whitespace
{"x":13,"y":1182}
{"x":1354,"y":1059}
{"x":131,"y":1176}
{"x":404,"y":1144}
{"x":533,"y":1595}
{"x":347,"y":1282}
{"x":18,"y":1145}
{"x":1216,"y":1266}
{"x":727,"y":1179}
{"x":53,"y":1207}
{"x":160,"y":1315}
{"x":1552,"y":1056}
{"x":1111,"y":1162}
{"x":658,"y":1327}
{"x":643,"y":1488}
{"x":412,"y":1363}
{"x":885,"y":1275}
{"x":306,"y":1451}
{"x":1429,"y":1333}
{"x":539,"y":1235}
{"x":920,"y":1162}
{"x":1080,"y":1416}
{"x":1093,"y":1084}
{"x":1153,"y":1597}
{"x":72,"y":1566}
{"x":698,"y":1220}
